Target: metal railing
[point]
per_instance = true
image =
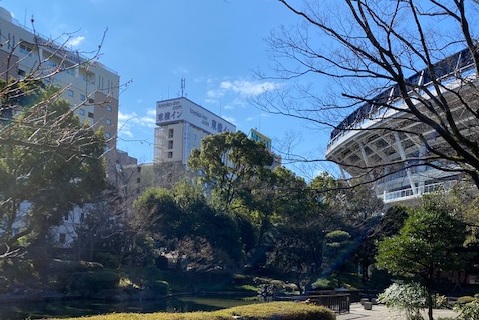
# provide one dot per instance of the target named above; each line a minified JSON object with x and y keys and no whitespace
{"x":409,"y":192}
{"x":337,"y":302}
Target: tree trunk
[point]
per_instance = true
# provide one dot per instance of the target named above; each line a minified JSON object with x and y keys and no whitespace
{"x":430,"y":304}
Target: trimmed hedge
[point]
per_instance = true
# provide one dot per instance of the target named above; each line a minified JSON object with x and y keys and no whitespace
{"x":259,"y":311}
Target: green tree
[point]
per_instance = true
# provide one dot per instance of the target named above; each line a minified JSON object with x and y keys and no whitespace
{"x":49,"y":163}
{"x":337,"y":247}
{"x":383,"y":226}
{"x":176,"y":218}
{"x":426,"y":246}
{"x":228,"y":163}
{"x":301,"y":222}
{"x":355,"y":210}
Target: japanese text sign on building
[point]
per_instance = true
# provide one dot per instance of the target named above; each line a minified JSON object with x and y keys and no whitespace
{"x":182,"y":109}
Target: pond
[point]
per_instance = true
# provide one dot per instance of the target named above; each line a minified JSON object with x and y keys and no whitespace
{"x":77,"y":308}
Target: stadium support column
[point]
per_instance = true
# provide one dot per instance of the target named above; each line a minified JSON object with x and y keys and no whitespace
{"x":365,"y":158}
{"x":402,"y":153}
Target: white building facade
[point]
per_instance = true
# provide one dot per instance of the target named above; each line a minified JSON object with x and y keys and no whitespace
{"x":384,"y":144}
{"x":91,"y":89}
{"x":181,"y":125}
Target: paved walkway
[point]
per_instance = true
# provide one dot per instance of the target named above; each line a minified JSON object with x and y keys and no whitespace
{"x":381,"y":312}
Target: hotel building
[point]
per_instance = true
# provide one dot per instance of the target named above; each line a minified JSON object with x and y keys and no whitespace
{"x":181,"y":125}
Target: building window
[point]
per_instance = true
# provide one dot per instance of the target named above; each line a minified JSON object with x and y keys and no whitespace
{"x":108,"y":122}
{"x":108,"y":108}
{"x":170,"y":133}
{"x":25,"y":50}
{"x":138,"y":180}
{"x":90,"y":115}
{"x":170,"y":144}
{"x":81,"y":112}
{"x":65,"y":217}
{"x":170,"y":154}
{"x":62,"y":238}
{"x":70,"y":93}
{"x":82,"y":97}
{"x":107,"y":135}
{"x":70,"y":70}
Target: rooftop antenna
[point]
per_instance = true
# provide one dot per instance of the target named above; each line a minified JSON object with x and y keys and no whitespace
{"x":183,"y":81}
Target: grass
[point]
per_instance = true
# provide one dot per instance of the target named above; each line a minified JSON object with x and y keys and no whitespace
{"x":260,"y":311}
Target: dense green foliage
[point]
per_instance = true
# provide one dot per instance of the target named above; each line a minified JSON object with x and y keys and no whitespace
{"x":427,"y":246}
{"x":49,"y":164}
{"x":89,"y":283}
{"x":230,"y":163}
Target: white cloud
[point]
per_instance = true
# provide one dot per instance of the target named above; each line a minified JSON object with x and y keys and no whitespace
{"x":151,"y":113}
{"x":230,"y":119}
{"x":215,"y":93}
{"x":126,"y":122}
{"x":75,"y":41}
{"x":248,"y":88}
{"x":244,"y":88}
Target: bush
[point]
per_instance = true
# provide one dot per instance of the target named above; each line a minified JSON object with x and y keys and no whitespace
{"x":88,"y":283}
{"x":410,"y":298}
{"x":108,"y":260}
{"x":469,"y":310}
{"x":159,"y":287}
{"x":465,"y":299}
{"x":261,"y":311}
{"x":69,"y":266}
{"x":322,"y":284}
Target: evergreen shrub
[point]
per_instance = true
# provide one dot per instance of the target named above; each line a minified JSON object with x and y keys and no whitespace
{"x":88,"y":283}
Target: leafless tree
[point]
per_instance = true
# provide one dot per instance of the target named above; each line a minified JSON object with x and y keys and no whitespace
{"x":401,"y":75}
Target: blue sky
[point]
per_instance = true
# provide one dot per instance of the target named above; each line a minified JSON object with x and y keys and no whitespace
{"x":215,"y":45}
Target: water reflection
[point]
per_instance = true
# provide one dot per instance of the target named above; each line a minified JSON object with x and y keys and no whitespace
{"x":77,"y":308}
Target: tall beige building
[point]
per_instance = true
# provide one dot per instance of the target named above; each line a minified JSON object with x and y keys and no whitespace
{"x":181,"y":125}
{"x":91,"y":88}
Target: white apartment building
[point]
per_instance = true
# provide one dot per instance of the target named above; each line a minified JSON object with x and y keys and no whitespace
{"x":181,"y":125}
{"x":91,"y":88}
